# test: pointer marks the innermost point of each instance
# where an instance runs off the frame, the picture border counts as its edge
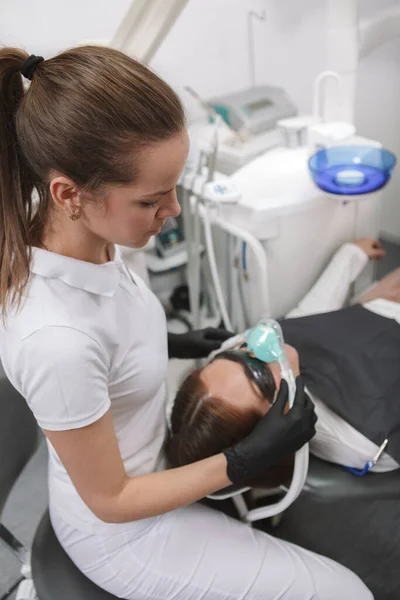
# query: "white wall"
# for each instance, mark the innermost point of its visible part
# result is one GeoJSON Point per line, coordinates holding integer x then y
{"type": "Point", "coordinates": [378, 117]}
{"type": "Point", "coordinates": [207, 49]}
{"type": "Point", "coordinates": [45, 27]}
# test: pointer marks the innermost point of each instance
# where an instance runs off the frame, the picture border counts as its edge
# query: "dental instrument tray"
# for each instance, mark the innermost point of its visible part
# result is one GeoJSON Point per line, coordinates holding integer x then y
{"type": "Point", "coordinates": [351, 170]}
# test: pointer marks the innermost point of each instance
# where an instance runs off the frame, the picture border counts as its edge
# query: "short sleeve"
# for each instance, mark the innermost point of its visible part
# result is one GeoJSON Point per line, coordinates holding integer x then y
{"type": "Point", "coordinates": [63, 375]}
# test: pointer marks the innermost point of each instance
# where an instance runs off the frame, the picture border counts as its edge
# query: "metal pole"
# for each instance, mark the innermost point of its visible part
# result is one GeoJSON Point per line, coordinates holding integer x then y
{"type": "Point", "coordinates": [250, 27]}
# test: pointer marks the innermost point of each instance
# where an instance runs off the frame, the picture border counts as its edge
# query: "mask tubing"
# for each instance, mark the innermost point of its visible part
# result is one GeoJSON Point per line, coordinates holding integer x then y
{"type": "Point", "coordinates": [213, 267]}
{"type": "Point", "coordinates": [299, 477]}
{"type": "Point", "coordinates": [269, 332]}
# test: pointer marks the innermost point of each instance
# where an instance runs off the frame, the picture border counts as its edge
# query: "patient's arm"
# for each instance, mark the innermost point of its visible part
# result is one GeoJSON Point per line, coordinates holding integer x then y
{"type": "Point", "coordinates": [388, 288]}
{"type": "Point", "coordinates": [331, 289]}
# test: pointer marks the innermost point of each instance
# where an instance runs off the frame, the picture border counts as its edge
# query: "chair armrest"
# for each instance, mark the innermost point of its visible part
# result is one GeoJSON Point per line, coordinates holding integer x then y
{"type": "Point", "coordinates": [326, 482]}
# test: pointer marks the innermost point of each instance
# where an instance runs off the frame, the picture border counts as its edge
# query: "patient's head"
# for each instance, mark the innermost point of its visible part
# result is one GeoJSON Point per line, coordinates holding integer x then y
{"type": "Point", "coordinates": [219, 405]}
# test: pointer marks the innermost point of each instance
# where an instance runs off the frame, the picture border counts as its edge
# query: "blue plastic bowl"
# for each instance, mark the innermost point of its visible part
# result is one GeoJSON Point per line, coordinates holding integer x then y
{"type": "Point", "coordinates": [351, 170]}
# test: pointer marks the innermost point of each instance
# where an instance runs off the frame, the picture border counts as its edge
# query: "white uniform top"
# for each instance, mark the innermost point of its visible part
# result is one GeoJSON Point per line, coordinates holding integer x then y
{"type": "Point", "coordinates": [87, 339]}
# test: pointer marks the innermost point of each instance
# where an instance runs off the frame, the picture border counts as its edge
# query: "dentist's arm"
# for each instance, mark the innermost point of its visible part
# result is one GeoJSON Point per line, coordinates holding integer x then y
{"type": "Point", "coordinates": [65, 379]}
{"type": "Point", "coordinates": [333, 286]}
{"type": "Point", "coordinates": [92, 458]}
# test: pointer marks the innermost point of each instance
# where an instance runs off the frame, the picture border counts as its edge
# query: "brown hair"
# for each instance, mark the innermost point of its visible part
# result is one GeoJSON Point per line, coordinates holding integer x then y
{"type": "Point", "coordinates": [203, 425]}
{"type": "Point", "coordinates": [85, 114]}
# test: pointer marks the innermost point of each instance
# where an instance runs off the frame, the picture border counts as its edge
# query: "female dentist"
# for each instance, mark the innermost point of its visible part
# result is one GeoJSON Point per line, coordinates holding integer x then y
{"type": "Point", "coordinates": [102, 141]}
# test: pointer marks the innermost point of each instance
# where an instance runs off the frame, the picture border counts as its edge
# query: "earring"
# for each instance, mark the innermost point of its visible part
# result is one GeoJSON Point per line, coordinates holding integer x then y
{"type": "Point", "coordinates": [75, 216]}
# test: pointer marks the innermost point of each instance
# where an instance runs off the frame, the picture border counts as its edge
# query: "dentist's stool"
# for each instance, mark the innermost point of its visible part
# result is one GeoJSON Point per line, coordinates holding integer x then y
{"type": "Point", "coordinates": [47, 572]}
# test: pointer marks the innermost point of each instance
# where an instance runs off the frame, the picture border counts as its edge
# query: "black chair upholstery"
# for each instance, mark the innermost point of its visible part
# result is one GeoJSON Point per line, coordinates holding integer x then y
{"type": "Point", "coordinates": [327, 482]}
{"type": "Point", "coordinates": [19, 437]}
{"type": "Point", "coordinates": [54, 574]}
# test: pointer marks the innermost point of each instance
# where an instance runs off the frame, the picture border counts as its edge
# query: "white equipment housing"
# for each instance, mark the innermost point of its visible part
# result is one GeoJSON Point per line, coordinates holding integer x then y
{"type": "Point", "coordinates": [234, 154]}
{"type": "Point", "coordinates": [299, 227]}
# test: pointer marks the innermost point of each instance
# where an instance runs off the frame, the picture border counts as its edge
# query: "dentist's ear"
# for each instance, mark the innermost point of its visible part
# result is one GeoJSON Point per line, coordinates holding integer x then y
{"type": "Point", "coordinates": [65, 194]}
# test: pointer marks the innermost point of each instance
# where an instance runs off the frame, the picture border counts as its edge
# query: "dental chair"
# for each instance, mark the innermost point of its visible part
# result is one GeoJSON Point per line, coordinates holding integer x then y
{"type": "Point", "coordinates": [46, 568]}
{"type": "Point", "coordinates": [325, 483]}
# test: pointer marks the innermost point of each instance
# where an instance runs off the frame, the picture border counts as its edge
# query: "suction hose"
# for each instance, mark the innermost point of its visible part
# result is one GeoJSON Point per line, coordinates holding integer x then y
{"type": "Point", "coordinates": [203, 212]}
{"type": "Point", "coordinates": [259, 255]}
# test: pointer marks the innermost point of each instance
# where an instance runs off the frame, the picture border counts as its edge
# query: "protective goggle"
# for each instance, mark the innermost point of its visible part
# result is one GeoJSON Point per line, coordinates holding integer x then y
{"type": "Point", "coordinates": [255, 369]}
{"type": "Point", "coordinates": [265, 342]}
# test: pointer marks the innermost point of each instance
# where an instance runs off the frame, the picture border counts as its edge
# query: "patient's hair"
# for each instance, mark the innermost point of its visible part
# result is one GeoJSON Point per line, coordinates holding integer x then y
{"type": "Point", "coordinates": [202, 425]}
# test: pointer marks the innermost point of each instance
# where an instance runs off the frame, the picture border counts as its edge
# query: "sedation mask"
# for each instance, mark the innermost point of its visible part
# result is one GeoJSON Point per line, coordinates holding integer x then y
{"type": "Point", "coordinates": [265, 341]}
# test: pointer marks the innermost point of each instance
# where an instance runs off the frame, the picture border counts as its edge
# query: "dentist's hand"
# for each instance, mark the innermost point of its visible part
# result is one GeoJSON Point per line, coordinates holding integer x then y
{"type": "Point", "coordinates": [275, 436]}
{"type": "Point", "coordinates": [196, 344]}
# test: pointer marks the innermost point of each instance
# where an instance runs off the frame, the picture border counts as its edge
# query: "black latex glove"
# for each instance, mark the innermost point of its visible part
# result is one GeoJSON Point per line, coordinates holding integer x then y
{"type": "Point", "coordinates": [196, 344]}
{"type": "Point", "coordinates": [275, 436]}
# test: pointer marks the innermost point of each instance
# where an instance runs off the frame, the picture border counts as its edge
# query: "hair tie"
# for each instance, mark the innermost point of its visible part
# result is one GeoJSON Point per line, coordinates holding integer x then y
{"type": "Point", "coordinates": [29, 66]}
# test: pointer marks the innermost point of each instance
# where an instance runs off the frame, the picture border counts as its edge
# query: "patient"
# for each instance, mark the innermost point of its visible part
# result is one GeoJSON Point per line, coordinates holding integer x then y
{"type": "Point", "coordinates": [220, 404]}
{"type": "Point", "coordinates": [349, 358]}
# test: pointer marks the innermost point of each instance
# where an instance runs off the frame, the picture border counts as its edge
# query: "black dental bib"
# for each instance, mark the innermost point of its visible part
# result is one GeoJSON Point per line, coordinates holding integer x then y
{"type": "Point", "coordinates": [350, 359]}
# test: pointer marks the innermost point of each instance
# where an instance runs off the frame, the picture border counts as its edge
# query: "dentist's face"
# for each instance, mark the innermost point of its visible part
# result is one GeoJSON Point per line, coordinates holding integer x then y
{"type": "Point", "coordinates": [227, 380]}
{"type": "Point", "coordinates": [134, 213]}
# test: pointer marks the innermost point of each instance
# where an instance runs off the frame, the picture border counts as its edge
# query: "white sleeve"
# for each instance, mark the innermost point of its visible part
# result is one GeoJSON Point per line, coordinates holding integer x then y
{"type": "Point", "coordinates": [332, 288]}
{"type": "Point", "coordinates": [63, 374]}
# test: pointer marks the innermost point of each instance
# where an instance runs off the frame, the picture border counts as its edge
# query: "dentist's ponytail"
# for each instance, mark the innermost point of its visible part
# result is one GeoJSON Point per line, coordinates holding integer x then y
{"type": "Point", "coordinates": [16, 183]}
{"type": "Point", "coordinates": [86, 114]}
